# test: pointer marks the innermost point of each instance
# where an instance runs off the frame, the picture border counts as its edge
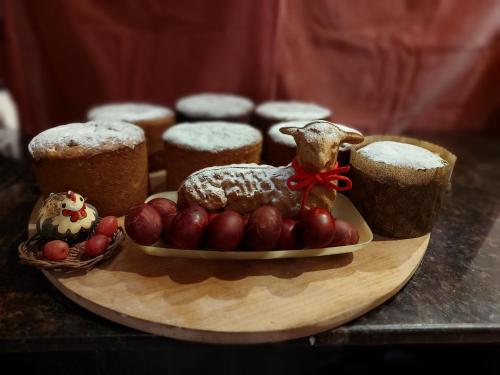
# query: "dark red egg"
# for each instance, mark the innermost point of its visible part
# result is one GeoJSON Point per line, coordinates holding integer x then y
{"type": "Point", "coordinates": [225, 231]}
{"type": "Point", "coordinates": [96, 245]}
{"type": "Point", "coordinates": [164, 206]}
{"type": "Point", "coordinates": [143, 224]}
{"type": "Point", "coordinates": [345, 234]}
{"type": "Point", "coordinates": [263, 229]}
{"type": "Point", "coordinates": [187, 228]}
{"type": "Point", "coordinates": [291, 236]}
{"type": "Point", "coordinates": [318, 227]}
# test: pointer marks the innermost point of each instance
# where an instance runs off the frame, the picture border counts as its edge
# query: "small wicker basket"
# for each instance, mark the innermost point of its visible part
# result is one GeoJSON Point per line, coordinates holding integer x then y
{"type": "Point", "coordinates": [31, 253]}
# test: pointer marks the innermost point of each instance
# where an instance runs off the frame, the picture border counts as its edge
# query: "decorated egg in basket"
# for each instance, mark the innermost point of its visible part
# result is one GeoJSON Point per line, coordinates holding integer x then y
{"type": "Point", "coordinates": [67, 217]}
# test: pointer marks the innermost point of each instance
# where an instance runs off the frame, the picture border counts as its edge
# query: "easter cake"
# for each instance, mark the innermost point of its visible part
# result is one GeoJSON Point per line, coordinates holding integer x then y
{"type": "Point", "coordinates": [106, 161]}
{"type": "Point", "coordinates": [153, 119]}
{"type": "Point", "coordinates": [398, 183]}
{"type": "Point", "coordinates": [272, 112]}
{"type": "Point", "coordinates": [193, 146]}
{"type": "Point", "coordinates": [214, 107]}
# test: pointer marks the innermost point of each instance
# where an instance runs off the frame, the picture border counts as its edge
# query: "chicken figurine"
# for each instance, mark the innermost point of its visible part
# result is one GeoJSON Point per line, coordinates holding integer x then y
{"type": "Point", "coordinates": [67, 217]}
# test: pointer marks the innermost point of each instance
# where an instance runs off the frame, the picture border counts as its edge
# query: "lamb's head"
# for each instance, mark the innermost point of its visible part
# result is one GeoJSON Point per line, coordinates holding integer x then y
{"type": "Point", "coordinates": [318, 143]}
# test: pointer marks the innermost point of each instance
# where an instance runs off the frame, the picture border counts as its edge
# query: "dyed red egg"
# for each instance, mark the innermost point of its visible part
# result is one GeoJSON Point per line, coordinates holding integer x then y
{"type": "Point", "coordinates": [56, 250]}
{"type": "Point", "coordinates": [225, 231]}
{"type": "Point", "coordinates": [96, 245]}
{"type": "Point", "coordinates": [318, 227]}
{"type": "Point", "coordinates": [263, 229]}
{"type": "Point", "coordinates": [107, 226]}
{"type": "Point", "coordinates": [143, 224]}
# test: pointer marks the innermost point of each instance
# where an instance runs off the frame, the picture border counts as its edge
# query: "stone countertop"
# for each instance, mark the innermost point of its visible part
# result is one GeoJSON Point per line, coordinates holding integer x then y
{"type": "Point", "coordinates": [454, 297]}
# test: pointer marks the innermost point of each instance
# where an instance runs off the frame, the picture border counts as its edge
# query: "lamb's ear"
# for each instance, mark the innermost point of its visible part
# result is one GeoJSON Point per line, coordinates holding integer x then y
{"type": "Point", "coordinates": [352, 137]}
{"type": "Point", "coordinates": [290, 130]}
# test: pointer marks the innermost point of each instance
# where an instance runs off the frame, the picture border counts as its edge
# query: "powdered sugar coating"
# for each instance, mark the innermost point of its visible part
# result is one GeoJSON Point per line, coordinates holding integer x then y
{"type": "Point", "coordinates": [214, 106]}
{"type": "Point", "coordinates": [246, 185]}
{"type": "Point", "coordinates": [292, 110]}
{"type": "Point", "coordinates": [288, 140]}
{"type": "Point", "coordinates": [212, 136]}
{"type": "Point", "coordinates": [92, 136]}
{"type": "Point", "coordinates": [402, 155]}
{"type": "Point", "coordinates": [130, 112]}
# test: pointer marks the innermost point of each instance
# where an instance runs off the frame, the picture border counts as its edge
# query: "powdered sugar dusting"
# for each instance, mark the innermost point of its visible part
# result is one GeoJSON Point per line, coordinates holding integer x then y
{"type": "Point", "coordinates": [318, 130]}
{"type": "Point", "coordinates": [288, 140]}
{"type": "Point", "coordinates": [93, 135]}
{"type": "Point", "coordinates": [249, 185]}
{"type": "Point", "coordinates": [402, 155]}
{"type": "Point", "coordinates": [214, 106]}
{"type": "Point", "coordinates": [292, 110]}
{"type": "Point", "coordinates": [212, 136]}
{"type": "Point", "coordinates": [129, 112]}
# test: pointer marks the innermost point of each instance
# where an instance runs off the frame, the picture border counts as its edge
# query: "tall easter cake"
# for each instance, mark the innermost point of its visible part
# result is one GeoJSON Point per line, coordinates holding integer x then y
{"type": "Point", "coordinates": [105, 161]}
{"type": "Point", "coordinates": [192, 146]}
{"type": "Point", "coordinates": [153, 119]}
{"type": "Point", "coordinates": [398, 183]}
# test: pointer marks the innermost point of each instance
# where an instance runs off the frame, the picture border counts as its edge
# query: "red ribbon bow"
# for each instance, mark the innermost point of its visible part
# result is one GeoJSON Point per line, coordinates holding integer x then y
{"type": "Point", "coordinates": [303, 179]}
{"type": "Point", "coordinates": [75, 215]}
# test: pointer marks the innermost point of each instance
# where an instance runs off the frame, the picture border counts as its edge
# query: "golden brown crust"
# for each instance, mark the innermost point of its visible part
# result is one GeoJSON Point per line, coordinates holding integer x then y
{"type": "Point", "coordinates": [279, 154]}
{"type": "Point", "coordinates": [181, 162]}
{"type": "Point", "coordinates": [398, 201]}
{"type": "Point", "coordinates": [112, 181]}
{"type": "Point", "coordinates": [154, 130]}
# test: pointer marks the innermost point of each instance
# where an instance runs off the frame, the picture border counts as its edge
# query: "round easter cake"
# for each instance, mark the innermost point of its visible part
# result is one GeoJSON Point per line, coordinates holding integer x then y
{"type": "Point", "coordinates": [91, 158]}
{"type": "Point", "coordinates": [192, 146]}
{"type": "Point", "coordinates": [272, 112]}
{"type": "Point", "coordinates": [153, 119]}
{"type": "Point", "coordinates": [398, 183]}
{"type": "Point", "coordinates": [214, 107]}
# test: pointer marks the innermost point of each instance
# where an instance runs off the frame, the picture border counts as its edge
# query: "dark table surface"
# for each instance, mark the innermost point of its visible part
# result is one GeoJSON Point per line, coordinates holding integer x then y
{"type": "Point", "coordinates": [454, 297]}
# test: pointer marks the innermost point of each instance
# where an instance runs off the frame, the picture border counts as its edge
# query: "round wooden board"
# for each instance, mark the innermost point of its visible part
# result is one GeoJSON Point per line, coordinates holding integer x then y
{"type": "Point", "coordinates": [252, 301]}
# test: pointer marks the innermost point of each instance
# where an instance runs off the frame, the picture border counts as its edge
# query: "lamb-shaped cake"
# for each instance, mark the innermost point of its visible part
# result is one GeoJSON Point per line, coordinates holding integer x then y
{"type": "Point", "coordinates": [309, 181]}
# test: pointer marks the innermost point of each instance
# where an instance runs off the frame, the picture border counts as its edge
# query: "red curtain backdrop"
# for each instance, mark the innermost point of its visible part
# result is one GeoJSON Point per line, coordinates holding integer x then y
{"type": "Point", "coordinates": [382, 66]}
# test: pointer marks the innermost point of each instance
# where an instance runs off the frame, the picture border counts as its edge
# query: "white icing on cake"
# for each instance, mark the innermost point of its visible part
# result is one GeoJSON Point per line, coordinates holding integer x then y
{"type": "Point", "coordinates": [219, 186]}
{"type": "Point", "coordinates": [212, 136]}
{"type": "Point", "coordinates": [93, 135]}
{"type": "Point", "coordinates": [288, 140]}
{"type": "Point", "coordinates": [402, 155]}
{"type": "Point", "coordinates": [131, 112]}
{"type": "Point", "coordinates": [292, 110]}
{"type": "Point", "coordinates": [214, 106]}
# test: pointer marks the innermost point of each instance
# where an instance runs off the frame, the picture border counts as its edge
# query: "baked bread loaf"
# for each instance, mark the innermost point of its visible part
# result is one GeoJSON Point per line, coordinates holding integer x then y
{"type": "Point", "coordinates": [281, 148]}
{"type": "Point", "coordinates": [153, 119]}
{"type": "Point", "coordinates": [104, 161]}
{"type": "Point", "coordinates": [214, 107]}
{"type": "Point", "coordinates": [270, 113]}
{"type": "Point", "coordinates": [399, 183]}
{"type": "Point", "coordinates": [192, 146]}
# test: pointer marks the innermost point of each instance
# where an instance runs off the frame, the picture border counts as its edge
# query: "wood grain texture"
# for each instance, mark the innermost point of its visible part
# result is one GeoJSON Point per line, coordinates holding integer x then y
{"type": "Point", "coordinates": [243, 302]}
